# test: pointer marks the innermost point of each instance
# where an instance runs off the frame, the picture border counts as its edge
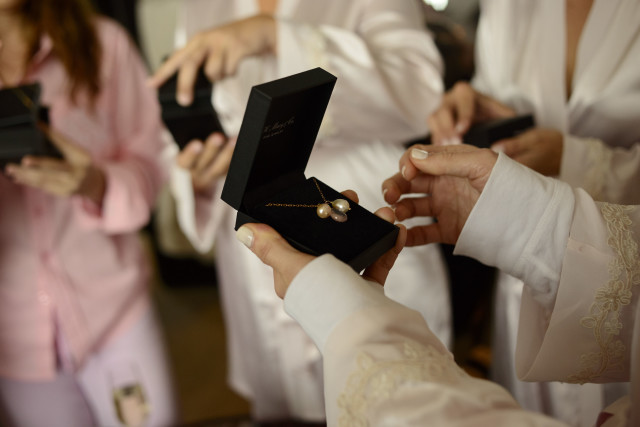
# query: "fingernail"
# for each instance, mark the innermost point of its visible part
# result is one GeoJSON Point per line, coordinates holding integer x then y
{"type": "Point", "coordinates": [455, 141]}
{"type": "Point", "coordinates": [404, 169]}
{"type": "Point", "coordinates": [419, 154]}
{"type": "Point", "coordinates": [460, 127]}
{"type": "Point", "coordinates": [183, 99]}
{"type": "Point", "coordinates": [498, 148]}
{"type": "Point", "coordinates": [216, 140]}
{"type": "Point", "coordinates": [384, 192]}
{"type": "Point", "coordinates": [196, 146]}
{"type": "Point", "coordinates": [245, 235]}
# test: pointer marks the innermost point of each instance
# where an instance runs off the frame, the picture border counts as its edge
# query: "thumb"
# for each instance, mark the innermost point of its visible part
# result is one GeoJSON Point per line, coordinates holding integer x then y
{"type": "Point", "coordinates": [71, 152]}
{"type": "Point", "coordinates": [273, 250]}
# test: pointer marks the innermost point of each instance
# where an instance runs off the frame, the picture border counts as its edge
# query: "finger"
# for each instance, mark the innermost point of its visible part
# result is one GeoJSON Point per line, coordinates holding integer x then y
{"type": "Point", "coordinates": [211, 148]}
{"type": "Point", "coordinates": [442, 126]}
{"type": "Point", "coordinates": [220, 164]}
{"type": "Point", "coordinates": [168, 68]}
{"type": "Point", "coordinates": [387, 214]}
{"type": "Point", "coordinates": [490, 108]}
{"type": "Point", "coordinates": [71, 152]}
{"type": "Point", "coordinates": [233, 56]}
{"type": "Point", "coordinates": [461, 161]}
{"type": "Point", "coordinates": [187, 76]}
{"type": "Point", "coordinates": [38, 162]}
{"type": "Point", "coordinates": [463, 98]}
{"type": "Point", "coordinates": [425, 234]}
{"type": "Point", "coordinates": [379, 270]}
{"type": "Point", "coordinates": [513, 147]}
{"type": "Point", "coordinates": [214, 64]}
{"type": "Point", "coordinates": [351, 195]}
{"type": "Point", "coordinates": [38, 178]}
{"type": "Point", "coordinates": [397, 186]}
{"type": "Point", "coordinates": [411, 207]}
{"type": "Point", "coordinates": [394, 187]}
{"type": "Point", "coordinates": [188, 157]}
{"type": "Point", "coordinates": [273, 250]}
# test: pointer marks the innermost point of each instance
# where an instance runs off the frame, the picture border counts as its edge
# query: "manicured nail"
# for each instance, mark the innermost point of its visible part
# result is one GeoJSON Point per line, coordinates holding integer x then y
{"type": "Point", "coordinates": [245, 235]}
{"type": "Point", "coordinates": [419, 154]}
{"type": "Point", "coordinates": [404, 169]}
{"type": "Point", "coordinates": [455, 141]}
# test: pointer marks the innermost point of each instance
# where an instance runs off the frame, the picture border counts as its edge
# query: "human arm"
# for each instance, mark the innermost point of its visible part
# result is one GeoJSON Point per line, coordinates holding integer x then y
{"type": "Point", "coordinates": [133, 164]}
{"type": "Point", "coordinates": [110, 167]}
{"type": "Point", "coordinates": [578, 258]}
{"type": "Point", "coordinates": [382, 364]}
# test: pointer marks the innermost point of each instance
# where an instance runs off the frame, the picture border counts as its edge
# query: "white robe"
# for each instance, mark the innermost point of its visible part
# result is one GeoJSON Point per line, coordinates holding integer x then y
{"type": "Point", "coordinates": [520, 57]}
{"type": "Point", "coordinates": [389, 80]}
{"type": "Point", "coordinates": [580, 319]}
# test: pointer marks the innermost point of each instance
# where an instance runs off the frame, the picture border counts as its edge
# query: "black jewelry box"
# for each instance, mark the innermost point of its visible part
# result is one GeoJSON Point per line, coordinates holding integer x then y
{"type": "Point", "coordinates": [279, 128]}
{"type": "Point", "coordinates": [195, 121]}
{"type": "Point", "coordinates": [20, 112]}
{"type": "Point", "coordinates": [484, 134]}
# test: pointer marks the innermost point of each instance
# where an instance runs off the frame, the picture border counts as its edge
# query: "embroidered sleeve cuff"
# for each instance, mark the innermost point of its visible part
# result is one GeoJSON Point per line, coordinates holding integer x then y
{"type": "Point", "coordinates": [520, 224]}
{"type": "Point", "coordinates": [324, 293]}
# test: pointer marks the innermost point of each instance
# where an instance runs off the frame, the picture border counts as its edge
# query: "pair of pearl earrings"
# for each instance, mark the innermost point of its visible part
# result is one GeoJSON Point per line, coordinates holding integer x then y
{"type": "Point", "coordinates": [336, 209]}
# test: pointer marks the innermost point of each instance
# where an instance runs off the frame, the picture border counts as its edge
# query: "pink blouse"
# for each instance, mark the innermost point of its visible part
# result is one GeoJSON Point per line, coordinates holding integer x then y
{"type": "Point", "coordinates": [67, 266]}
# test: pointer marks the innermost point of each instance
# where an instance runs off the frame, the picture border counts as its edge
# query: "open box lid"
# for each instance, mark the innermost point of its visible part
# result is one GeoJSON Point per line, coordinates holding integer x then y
{"type": "Point", "coordinates": [279, 128]}
{"type": "Point", "coordinates": [19, 105]}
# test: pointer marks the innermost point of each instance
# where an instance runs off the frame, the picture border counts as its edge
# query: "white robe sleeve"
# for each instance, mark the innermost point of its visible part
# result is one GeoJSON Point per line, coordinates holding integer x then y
{"type": "Point", "coordinates": [578, 320]}
{"type": "Point", "coordinates": [527, 234]}
{"type": "Point", "coordinates": [382, 364]}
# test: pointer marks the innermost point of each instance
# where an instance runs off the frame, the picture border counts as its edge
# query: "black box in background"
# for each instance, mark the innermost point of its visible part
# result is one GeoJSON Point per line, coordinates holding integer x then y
{"type": "Point", "coordinates": [20, 112]}
{"type": "Point", "coordinates": [196, 121]}
{"type": "Point", "coordinates": [279, 128]}
{"type": "Point", "coordinates": [483, 135]}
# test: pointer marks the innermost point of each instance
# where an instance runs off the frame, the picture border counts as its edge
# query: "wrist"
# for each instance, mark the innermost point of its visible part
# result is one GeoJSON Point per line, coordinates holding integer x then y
{"type": "Point", "coordinates": [94, 185]}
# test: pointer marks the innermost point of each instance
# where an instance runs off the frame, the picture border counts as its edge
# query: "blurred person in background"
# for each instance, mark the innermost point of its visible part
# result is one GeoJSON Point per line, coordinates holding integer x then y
{"type": "Point", "coordinates": [80, 344]}
{"type": "Point", "coordinates": [389, 79]}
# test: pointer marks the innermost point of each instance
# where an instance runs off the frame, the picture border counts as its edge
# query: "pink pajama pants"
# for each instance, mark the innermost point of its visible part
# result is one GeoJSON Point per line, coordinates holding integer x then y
{"type": "Point", "coordinates": [86, 398]}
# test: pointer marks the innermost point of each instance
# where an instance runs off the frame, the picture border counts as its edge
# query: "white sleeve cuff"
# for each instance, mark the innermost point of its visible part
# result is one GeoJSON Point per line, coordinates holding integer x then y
{"type": "Point", "coordinates": [326, 292]}
{"type": "Point", "coordinates": [521, 224]}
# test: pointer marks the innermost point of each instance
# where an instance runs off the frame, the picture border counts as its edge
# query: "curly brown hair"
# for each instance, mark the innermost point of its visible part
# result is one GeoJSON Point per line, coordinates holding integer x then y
{"type": "Point", "coordinates": [71, 26]}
